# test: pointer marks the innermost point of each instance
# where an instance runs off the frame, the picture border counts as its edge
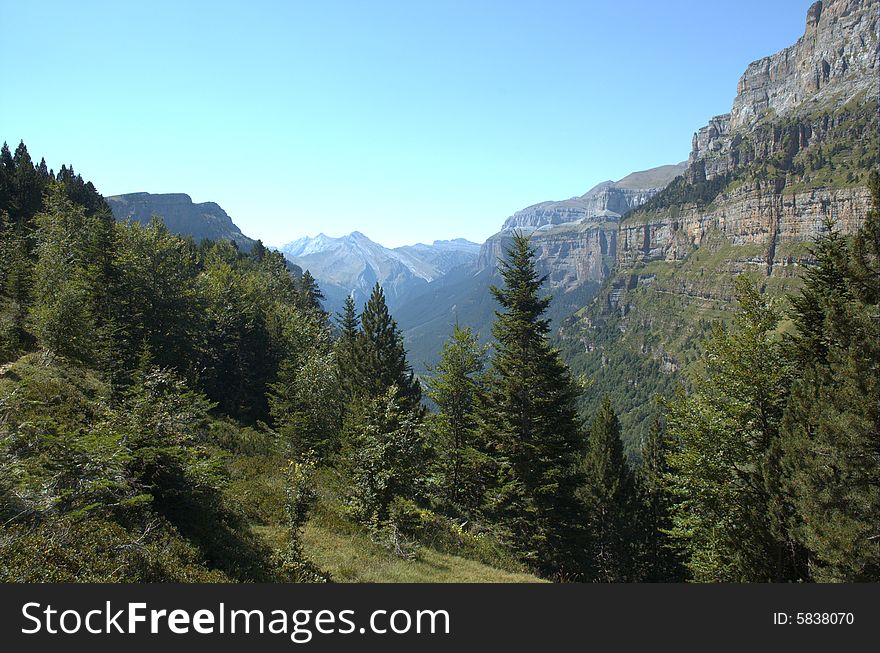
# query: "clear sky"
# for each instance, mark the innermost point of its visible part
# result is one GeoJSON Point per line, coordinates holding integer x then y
{"type": "Point", "coordinates": [409, 121]}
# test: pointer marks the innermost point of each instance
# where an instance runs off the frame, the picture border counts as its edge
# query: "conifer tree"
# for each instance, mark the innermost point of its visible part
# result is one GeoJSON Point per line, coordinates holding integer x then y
{"type": "Point", "coordinates": [383, 456]}
{"type": "Point", "coordinates": [731, 511]}
{"type": "Point", "coordinates": [832, 422]}
{"type": "Point", "coordinates": [608, 494]}
{"type": "Point", "coordinates": [530, 424]}
{"type": "Point", "coordinates": [457, 387]}
{"type": "Point", "coordinates": [659, 558]}
{"type": "Point", "coordinates": [16, 272]}
{"type": "Point", "coordinates": [70, 276]}
{"type": "Point", "coordinates": [310, 295]}
{"type": "Point", "coordinates": [380, 355]}
{"type": "Point", "coordinates": [348, 322]}
{"type": "Point", "coordinates": [306, 401]}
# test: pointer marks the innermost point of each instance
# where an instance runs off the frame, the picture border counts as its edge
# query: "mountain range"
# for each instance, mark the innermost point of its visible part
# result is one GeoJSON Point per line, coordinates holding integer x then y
{"type": "Point", "coordinates": [353, 264]}
{"type": "Point", "coordinates": [642, 267]}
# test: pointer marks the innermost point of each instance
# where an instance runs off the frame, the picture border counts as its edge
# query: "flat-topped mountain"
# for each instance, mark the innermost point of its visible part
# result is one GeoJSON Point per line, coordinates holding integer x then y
{"type": "Point", "coordinates": [609, 199]}
{"type": "Point", "coordinates": [204, 221]}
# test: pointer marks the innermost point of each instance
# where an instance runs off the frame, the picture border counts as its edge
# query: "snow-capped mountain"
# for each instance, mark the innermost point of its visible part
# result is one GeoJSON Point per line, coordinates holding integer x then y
{"type": "Point", "coordinates": [354, 263]}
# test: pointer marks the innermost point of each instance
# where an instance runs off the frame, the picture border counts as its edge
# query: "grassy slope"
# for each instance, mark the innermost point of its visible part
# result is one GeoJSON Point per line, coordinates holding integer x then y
{"type": "Point", "coordinates": [351, 557]}
{"type": "Point", "coordinates": [343, 548]}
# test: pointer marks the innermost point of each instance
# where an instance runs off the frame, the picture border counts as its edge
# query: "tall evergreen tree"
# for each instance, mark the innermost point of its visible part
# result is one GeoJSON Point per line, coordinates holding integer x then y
{"type": "Point", "coordinates": [383, 456]}
{"type": "Point", "coordinates": [155, 300]}
{"type": "Point", "coordinates": [71, 276]}
{"type": "Point", "coordinates": [608, 494]}
{"type": "Point", "coordinates": [530, 424]}
{"type": "Point", "coordinates": [309, 294]}
{"type": "Point", "coordinates": [731, 512]}
{"type": "Point", "coordinates": [16, 278]}
{"type": "Point", "coordinates": [348, 322]}
{"type": "Point", "coordinates": [832, 422]}
{"type": "Point", "coordinates": [380, 355]}
{"type": "Point", "coordinates": [659, 558]}
{"type": "Point", "coordinates": [306, 401]}
{"type": "Point", "coordinates": [457, 386]}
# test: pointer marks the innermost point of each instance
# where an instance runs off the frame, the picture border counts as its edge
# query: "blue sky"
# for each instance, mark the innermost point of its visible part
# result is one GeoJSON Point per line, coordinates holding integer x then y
{"type": "Point", "coordinates": [409, 121]}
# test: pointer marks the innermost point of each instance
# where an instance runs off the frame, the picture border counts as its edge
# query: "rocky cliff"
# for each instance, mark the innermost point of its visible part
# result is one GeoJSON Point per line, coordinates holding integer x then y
{"type": "Point", "coordinates": [205, 221]}
{"type": "Point", "coordinates": [747, 215]}
{"type": "Point", "coordinates": [834, 62]}
{"type": "Point", "coordinates": [576, 239]}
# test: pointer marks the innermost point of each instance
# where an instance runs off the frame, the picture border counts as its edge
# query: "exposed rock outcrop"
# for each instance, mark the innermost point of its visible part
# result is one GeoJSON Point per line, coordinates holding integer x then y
{"type": "Point", "coordinates": [835, 61]}
{"type": "Point", "coordinates": [568, 256]}
{"type": "Point", "coordinates": [205, 221]}
{"type": "Point", "coordinates": [748, 215]}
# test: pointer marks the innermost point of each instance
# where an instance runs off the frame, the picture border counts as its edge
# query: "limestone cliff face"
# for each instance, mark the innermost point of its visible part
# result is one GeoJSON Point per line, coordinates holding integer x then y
{"type": "Point", "coordinates": [569, 256]}
{"type": "Point", "coordinates": [603, 201]}
{"type": "Point", "coordinates": [835, 61]}
{"type": "Point", "coordinates": [576, 239]}
{"type": "Point", "coordinates": [201, 221]}
{"type": "Point", "coordinates": [749, 215]}
{"type": "Point", "coordinates": [835, 58]}
{"type": "Point", "coordinates": [761, 183]}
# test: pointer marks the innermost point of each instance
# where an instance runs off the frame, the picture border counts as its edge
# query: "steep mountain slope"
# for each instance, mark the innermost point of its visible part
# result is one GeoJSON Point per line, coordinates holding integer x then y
{"type": "Point", "coordinates": [205, 221]}
{"type": "Point", "coordinates": [795, 149]}
{"type": "Point", "coordinates": [354, 263]}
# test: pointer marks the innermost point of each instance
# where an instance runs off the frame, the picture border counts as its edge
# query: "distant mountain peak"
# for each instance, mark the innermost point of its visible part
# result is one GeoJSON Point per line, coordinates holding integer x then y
{"type": "Point", "coordinates": [353, 263]}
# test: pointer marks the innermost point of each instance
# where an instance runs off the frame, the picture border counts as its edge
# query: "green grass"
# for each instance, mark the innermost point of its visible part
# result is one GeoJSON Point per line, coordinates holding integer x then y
{"type": "Point", "coordinates": [351, 557]}
{"type": "Point", "coordinates": [344, 550]}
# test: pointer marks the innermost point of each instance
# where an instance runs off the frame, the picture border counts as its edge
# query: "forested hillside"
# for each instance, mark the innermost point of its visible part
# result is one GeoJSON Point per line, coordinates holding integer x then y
{"type": "Point", "coordinates": [174, 411]}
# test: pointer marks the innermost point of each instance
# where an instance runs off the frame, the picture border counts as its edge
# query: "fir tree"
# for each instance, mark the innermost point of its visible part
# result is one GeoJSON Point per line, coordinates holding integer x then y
{"type": "Point", "coordinates": [310, 295]}
{"type": "Point", "coordinates": [381, 358]}
{"type": "Point", "coordinates": [306, 401]}
{"type": "Point", "coordinates": [731, 512]}
{"type": "Point", "coordinates": [383, 456]}
{"type": "Point", "coordinates": [832, 422]}
{"type": "Point", "coordinates": [608, 494]}
{"type": "Point", "coordinates": [348, 322]}
{"type": "Point", "coordinates": [659, 558]}
{"type": "Point", "coordinates": [457, 387]}
{"type": "Point", "coordinates": [530, 424]}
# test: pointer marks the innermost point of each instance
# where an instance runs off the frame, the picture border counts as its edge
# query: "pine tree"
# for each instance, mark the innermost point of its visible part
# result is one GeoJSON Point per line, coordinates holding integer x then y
{"type": "Point", "coordinates": [306, 401]}
{"type": "Point", "coordinates": [156, 300]}
{"type": "Point", "coordinates": [16, 280]}
{"type": "Point", "coordinates": [70, 276]}
{"type": "Point", "coordinates": [457, 387]}
{"type": "Point", "coordinates": [529, 422]}
{"type": "Point", "coordinates": [832, 423]}
{"type": "Point", "coordinates": [608, 494]}
{"type": "Point", "coordinates": [381, 358]}
{"type": "Point", "coordinates": [384, 456]}
{"type": "Point", "coordinates": [27, 186]}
